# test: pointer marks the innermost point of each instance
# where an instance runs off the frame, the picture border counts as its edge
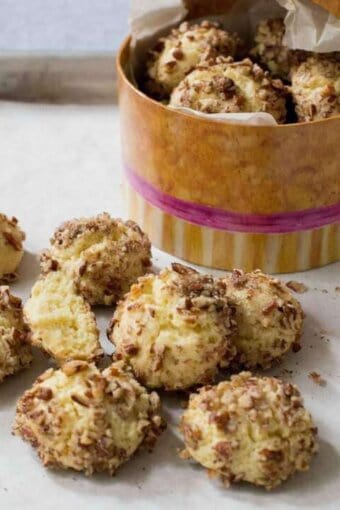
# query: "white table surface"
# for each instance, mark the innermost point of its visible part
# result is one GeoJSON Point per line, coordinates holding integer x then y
{"type": "Point", "coordinates": [64, 161]}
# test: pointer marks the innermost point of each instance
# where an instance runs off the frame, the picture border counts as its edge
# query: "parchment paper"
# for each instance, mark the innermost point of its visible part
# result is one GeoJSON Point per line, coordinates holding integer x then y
{"type": "Point", "coordinates": [254, 119]}
{"type": "Point", "coordinates": [308, 27]}
{"type": "Point", "coordinates": [320, 33]}
{"type": "Point", "coordinates": [321, 30]}
{"type": "Point", "coordinates": [61, 162]}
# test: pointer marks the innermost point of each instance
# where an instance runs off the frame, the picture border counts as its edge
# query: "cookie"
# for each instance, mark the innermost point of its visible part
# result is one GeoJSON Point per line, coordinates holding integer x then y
{"type": "Point", "coordinates": [251, 429]}
{"type": "Point", "coordinates": [11, 248]}
{"type": "Point", "coordinates": [174, 329]}
{"type": "Point", "coordinates": [61, 321]}
{"type": "Point", "coordinates": [176, 55]}
{"type": "Point", "coordinates": [231, 87]}
{"type": "Point", "coordinates": [15, 352]}
{"type": "Point", "coordinates": [270, 51]}
{"type": "Point", "coordinates": [316, 88]}
{"type": "Point", "coordinates": [80, 418]}
{"type": "Point", "coordinates": [103, 256]}
{"type": "Point", "coordinates": [269, 319]}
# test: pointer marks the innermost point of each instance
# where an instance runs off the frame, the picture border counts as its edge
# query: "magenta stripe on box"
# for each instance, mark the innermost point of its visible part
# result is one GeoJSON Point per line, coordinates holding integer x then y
{"type": "Point", "coordinates": [220, 219]}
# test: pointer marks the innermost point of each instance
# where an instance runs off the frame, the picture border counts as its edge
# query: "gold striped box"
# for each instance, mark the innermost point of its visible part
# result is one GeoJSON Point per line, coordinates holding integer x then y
{"type": "Point", "coordinates": [227, 195]}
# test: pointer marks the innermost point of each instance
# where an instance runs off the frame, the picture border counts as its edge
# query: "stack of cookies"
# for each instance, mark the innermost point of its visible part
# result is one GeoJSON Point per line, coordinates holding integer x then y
{"type": "Point", "coordinates": [205, 68]}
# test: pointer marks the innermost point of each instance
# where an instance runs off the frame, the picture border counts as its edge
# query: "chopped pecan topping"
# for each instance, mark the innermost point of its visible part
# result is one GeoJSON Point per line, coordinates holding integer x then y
{"type": "Point", "coordinates": [238, 277]}
{"type": "Point", "coordinates": [193, 436]}
{"type": "Point", "coordinates": [80, 400]}
{"type": "Point", "coordinates": [275, 455]}
{"type": "Point", "coordinates": [223, 449]}
{"type": "Point", "coordinates": [268, 309]}
{"type": "Point", "coordinates": [220, 419]}
{"type": "Point", "coordinates": [180, 269]}
{"type": "Point", "coordinates": [44, 393]}
{"type": "Point", "coordinates": [296, 347]}
{"type": "Point", "coordinates": [131, 349]}
{"type": "Point", "coordinates": [82, 269]}
{"type": "Point", "coordinates": [188, 304]}
{"type": "Point", "coordinates": [171, 64]}
{"type": "Point", "coordinates": [178, 54]}
{"type": "Point", "coordinates": [72, 367]}
{"type": "Point", "coordinates": [15, 243]}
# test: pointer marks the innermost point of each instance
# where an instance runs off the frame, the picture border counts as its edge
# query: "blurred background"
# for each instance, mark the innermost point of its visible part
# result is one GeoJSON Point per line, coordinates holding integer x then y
{"type": "Point", "coordinates": [62, 25]}
{"type": "Point", "coordinates": [60, 50]}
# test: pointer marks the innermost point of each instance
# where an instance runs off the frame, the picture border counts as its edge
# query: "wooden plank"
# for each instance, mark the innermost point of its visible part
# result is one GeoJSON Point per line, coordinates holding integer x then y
{"type": "Point", "coordinates": [58, 79]}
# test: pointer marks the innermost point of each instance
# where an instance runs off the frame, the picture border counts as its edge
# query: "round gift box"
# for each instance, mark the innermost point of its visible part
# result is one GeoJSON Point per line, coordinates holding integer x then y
{"type": "Point", "coordinates": [228, 195]}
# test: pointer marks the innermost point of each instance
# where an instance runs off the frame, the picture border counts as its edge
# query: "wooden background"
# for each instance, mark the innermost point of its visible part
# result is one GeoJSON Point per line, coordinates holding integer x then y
{"type": "Point", "coordinates": [60, 50]}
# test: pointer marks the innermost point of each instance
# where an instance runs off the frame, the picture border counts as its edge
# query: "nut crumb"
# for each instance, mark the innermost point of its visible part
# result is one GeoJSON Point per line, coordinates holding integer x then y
{"type": "Point", "coordinates": [297, 287]}
{"type": "Point", "coordinates": [287, 371]}
{"type": "Point", "coordinates": [317, 379]}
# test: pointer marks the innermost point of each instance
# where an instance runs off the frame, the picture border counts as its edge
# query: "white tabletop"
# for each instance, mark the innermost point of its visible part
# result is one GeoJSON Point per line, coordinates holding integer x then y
{"type": "Point", "coordinates": [58, 162]}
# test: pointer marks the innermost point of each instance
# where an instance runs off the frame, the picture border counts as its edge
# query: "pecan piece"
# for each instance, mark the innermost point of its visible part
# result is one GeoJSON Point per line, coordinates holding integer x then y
{"type": "Point", "coordinates": [11, 240]}
{"type": "Point", "coordinates": [44, 393]}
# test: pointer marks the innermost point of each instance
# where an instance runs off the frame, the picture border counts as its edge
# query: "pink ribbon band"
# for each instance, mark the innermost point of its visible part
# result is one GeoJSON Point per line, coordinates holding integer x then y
{"type": "Point", "coordinates": [220, 219]}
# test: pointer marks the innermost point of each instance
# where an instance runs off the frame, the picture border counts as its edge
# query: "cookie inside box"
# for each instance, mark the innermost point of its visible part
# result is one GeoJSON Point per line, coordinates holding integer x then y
{"type": "Point", "coordinates": [234, 57]}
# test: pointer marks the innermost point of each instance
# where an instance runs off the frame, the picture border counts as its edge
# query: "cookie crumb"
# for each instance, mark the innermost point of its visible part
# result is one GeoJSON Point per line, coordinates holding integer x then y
{"type": "Point", "coordinates": [184, 454]}
{"type": "Point", "coordinates": [297, 287]}
{"type": "Point", "coordinates": [337, 289]}
{"type": "Point", "coordinates": [288, 372]}
{"type": "Point", "coordinates": [317, 379]}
